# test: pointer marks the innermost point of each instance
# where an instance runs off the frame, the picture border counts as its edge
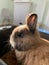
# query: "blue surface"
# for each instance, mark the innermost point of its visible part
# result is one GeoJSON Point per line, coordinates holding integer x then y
{"type": "Point", "coordinates": [43, 30]}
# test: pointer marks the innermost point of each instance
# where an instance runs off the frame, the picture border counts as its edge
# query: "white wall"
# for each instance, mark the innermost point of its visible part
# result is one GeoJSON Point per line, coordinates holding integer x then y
{"type": "Point", "coordinates": [21, 9]}
{"type": "Point", "coordinates": [46, 15]}
{"type": "Point", "coordinates": [42, 9]}
{"type": "Point", "coordinates": [39, 8]}
{"type": "Point", "coordinates": [6, 4]}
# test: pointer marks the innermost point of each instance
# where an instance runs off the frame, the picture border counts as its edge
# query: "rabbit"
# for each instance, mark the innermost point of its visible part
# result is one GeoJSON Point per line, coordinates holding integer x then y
{"type": "Point", "coordinates": [29, 47]}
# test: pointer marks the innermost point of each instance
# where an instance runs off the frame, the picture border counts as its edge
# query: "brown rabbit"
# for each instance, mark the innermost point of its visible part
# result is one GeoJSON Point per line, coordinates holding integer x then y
{"type": "Point", "coordinates": [30, 48]}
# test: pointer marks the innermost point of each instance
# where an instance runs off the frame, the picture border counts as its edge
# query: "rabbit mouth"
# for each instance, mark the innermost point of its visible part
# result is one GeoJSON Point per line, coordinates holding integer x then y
{"type": "Point", "coordinates": [21, 47]}
{"type": "Point", "coordinates": [18, 47]}
{"type": "Point", "coordinates": [24, 47]}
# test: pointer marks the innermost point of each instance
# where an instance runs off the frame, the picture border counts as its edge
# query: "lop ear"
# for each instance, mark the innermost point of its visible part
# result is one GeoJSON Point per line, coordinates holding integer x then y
{"type": "Point", "coordinates": [31, 22]}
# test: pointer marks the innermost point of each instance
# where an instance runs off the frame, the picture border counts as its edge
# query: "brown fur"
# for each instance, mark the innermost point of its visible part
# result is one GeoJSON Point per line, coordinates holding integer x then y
{"type": "Point", "coordinates": [30, 49]}
{"type": "Point", "coordinates": [10, 58]}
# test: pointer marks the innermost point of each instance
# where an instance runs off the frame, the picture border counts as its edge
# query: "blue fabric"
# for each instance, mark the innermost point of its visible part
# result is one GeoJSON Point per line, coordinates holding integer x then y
{"type": "Point", "coordinates": [43, 30]}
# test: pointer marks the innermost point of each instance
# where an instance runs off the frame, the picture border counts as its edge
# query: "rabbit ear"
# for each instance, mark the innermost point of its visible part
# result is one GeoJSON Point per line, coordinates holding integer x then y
{"type": "Point", "coordinates": [31, 22]}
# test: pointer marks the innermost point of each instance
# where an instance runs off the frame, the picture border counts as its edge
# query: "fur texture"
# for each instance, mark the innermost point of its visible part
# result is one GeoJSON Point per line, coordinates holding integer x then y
{"type": "Point", "coordinates": [30, 48]}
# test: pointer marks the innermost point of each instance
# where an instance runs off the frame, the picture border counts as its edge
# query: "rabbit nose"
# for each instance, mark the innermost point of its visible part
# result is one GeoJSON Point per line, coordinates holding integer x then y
{"type": "Point", "coordinates": [18, 47]}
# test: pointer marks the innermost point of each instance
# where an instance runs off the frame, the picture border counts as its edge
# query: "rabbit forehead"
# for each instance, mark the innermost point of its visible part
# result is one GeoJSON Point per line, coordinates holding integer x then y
{"type": "Point", "coordinates": [20, 28]}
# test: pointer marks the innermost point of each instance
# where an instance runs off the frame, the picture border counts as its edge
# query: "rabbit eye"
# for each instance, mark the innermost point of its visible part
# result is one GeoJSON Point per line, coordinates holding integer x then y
{"type": "Point", "coordinates": [19, 34]}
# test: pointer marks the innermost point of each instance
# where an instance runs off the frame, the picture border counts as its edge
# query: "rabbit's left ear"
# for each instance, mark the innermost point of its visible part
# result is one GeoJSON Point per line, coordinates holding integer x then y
{"type": "Point", "coordinates": [31, 22]}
